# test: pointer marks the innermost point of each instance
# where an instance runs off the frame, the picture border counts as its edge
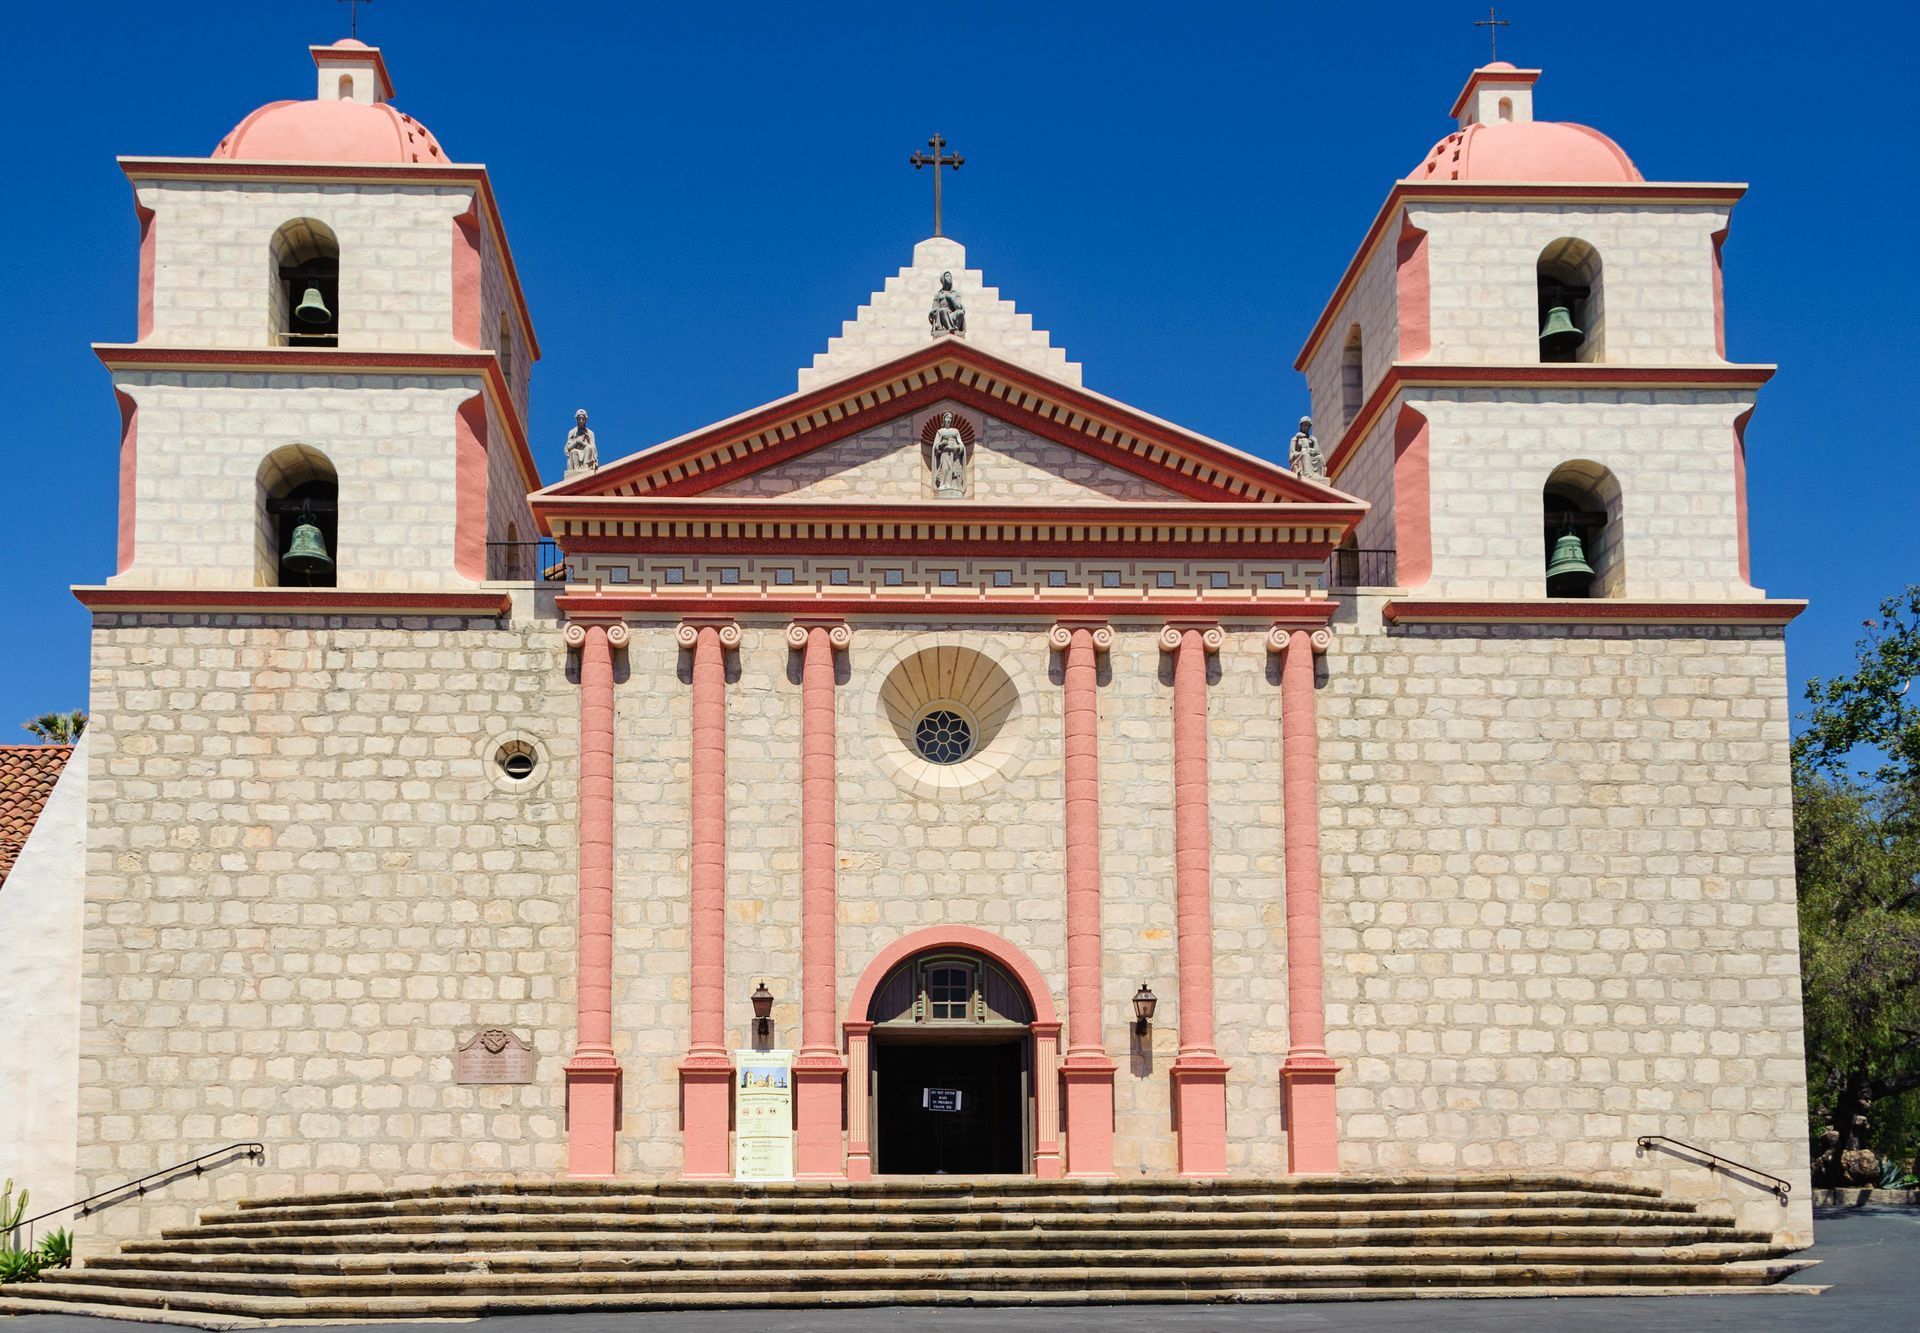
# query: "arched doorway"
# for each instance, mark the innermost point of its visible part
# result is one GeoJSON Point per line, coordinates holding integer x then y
{"type": "Point", "coordinates": [952, 1060]}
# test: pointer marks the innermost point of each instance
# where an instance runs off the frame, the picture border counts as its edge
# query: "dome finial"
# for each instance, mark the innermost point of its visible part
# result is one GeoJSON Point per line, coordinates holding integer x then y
{"type": "Point", "coordinates": [1493, 23]}
{"type": "Point", "coordinates": [353, 21]}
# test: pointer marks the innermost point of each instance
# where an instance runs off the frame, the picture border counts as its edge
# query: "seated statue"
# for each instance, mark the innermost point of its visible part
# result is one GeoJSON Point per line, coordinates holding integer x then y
{"type": "Point", "coordinates": [947, 315]}
{"type": "Point", "coordinates": [1303, 453]}
{"type": "Point", "coordinates": [583, 455]}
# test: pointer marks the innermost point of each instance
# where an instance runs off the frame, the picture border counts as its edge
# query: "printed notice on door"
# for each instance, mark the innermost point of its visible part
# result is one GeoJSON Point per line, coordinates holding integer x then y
{"type": "Point", "coordinates": [763, 1115]}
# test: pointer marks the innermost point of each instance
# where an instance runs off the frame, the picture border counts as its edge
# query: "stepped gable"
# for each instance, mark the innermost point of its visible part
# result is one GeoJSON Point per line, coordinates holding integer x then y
{"type": "Point", "coordinates": [503, 1247]}
{"type": "Point", "coordinates": [27, 776]}
{"type": "Point", "coordinates": [894, 321]}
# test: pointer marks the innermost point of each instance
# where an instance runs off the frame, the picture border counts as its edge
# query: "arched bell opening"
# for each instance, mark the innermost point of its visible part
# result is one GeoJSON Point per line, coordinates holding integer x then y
{"type": "Point", "coordinates": [1572, 305]}
{"type": "Point", "coordinates": [1581, 507]}
{"type": "Point", "coordinates": [952, 1068]}
{"type": "Point", "coordinates": [297, 539]}
{"type": "Point", "coordinates": [304, 297]}
{"type": "Point", "coordinates": [1352, 376]}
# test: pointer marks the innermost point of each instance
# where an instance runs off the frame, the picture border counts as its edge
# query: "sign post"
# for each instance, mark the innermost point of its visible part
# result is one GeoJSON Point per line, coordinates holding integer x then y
{"type": "Point", "coordinates": [763, 1115]}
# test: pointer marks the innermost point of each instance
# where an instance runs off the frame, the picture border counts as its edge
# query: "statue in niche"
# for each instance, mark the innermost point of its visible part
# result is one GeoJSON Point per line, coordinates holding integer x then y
{"type": "Point", "coordinates": [583, 456]}
{"type": "Point", "coordinates": [949, 460]}
{"type": "Point", "coordinates": [947, 315]}
{"type": "Point", "coordinates": [1303, 453]}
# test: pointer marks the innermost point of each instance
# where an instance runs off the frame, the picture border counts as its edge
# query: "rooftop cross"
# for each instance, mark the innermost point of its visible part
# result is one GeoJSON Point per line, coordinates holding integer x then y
{"type": "Point", "coordinates": [353, 8]}
{"type": "Point", "coordinates": [936, 161]}
{"type": "Point", "coordinates": [1493, 23]}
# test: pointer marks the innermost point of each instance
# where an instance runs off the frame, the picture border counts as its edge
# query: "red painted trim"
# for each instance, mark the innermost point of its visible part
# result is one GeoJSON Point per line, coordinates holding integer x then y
{"type": "Point", "coordinates": [356, 55]}
{"type": "Point", "coordinates": [1412, 499]}
{"type": "Point", "coordinates": [1009, 956]}
{"type": "Point", "coordinates": [1719, 240]}
{"type": "Point", "coordinates": [1404, 192]}
{"type": "Point", "coordinates": [303, 601]}
{"type": "Point", "coordinates": [129, 478]}
{"type": "Point", "coordinates": [1578, 611]}
{"type": "Point", "coordinates": [948, 513]}
{"type": "Point", "coordinates": [940, 361]}
{"type": "Point", "coordinates": [1524, 77]}
{"type": "Point", "coordinates": [470, 489]}
{"type": "Point", "coordinates": [466, 280]}
{"type": "Point", "coordinates": [1535, 376]}
{"type": "Point", "coordinates": [1740, 493]}
{"type": "Point", "coordinates": [772, 545]}
{"type": "Point", "coordinates": [138, 169]}
{"type": "Point", "coordinates": [143, 317]}
{"type": "Point", "coordinates": [291, 360]}
{"type": "Point", "coordinates": [1413, 292]}
{"type": "Point", "coordinates": [698, 602]}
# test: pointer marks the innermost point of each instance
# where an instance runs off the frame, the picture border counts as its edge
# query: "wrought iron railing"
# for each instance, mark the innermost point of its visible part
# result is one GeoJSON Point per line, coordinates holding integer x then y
{"type": "Point", "coordinates": [1714, 1162]}
{"type": "Point", "coordinates": [106, 1198]}
{"type": "Point", "coordinates": [526, 562]}
{"type": "Point", "coordinates": [1353, 567]}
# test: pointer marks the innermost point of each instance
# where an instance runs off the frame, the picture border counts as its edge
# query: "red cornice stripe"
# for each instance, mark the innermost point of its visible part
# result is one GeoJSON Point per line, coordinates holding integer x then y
{"type": "Point", "coordinates": [288, 360]}
{"type": "Point", "coordinates": [944, 513]}
{"type": "Point", "coordinates": [1299, 611]}
{"type": "Point", "coordinates": [938, 361]}
{"type": "Point", "coordinates": [301, 601]}
{"type": "Point", "coordinates": [1408, 191]}
{"type": "Point", "coordinates": [772, 546]}
{"type": "Point", "coordinates": [1419, 375]}
{"type": "Point", "coordinates": [138, 169]}
{"type": "Point", "coordinates": [1582, 611]}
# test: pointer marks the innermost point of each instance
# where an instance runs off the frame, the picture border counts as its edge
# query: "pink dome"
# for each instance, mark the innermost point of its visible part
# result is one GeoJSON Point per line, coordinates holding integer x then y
{"type": "Point", "coordinates": [1538, 150]}
{"type": "Point", "coordinates": [331, 132]}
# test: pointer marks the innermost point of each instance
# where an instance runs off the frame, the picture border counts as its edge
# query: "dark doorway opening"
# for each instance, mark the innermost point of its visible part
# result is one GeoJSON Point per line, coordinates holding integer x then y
{"type": "Point", "coordinates": [987, 1136]}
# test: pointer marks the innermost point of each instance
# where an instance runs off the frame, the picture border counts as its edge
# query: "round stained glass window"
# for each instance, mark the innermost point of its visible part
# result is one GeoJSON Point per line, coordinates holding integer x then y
{"type": "Point", "coordinates": [942, 736]}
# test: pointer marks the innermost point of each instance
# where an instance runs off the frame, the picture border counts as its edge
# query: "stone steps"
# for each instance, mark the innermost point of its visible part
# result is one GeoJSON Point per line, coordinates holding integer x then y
{"type": "Point", "coordinates": [493, 1247]}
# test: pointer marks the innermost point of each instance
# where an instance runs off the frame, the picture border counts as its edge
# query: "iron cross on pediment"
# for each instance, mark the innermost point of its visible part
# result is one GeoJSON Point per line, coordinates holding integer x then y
{"type": "Point", "coordinates": [936, 160]}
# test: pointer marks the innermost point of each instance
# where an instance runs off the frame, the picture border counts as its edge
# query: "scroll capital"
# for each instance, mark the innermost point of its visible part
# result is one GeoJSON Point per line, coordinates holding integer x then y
{"type": "Point", "coordinates": [839, 633]}
{"type": "Point", "coordinates": [1280, 638]}
{"type": "Point", "coordinates": [688, 632]}
{"type": "Point", "coordinates": [1172, 634]}
{"type": "Point", "coordinates": [1061, 635]}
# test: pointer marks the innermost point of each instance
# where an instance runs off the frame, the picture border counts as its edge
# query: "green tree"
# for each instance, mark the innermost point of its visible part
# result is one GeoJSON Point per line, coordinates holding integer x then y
{"type": "Point", "coordinates": [1875, 712]}
{"type": "Point", "coordinates": [58, 728]}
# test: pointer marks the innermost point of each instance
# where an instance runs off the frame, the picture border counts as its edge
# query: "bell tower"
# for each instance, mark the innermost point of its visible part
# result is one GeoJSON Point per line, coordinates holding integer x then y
{"type": "Point", "coordinates": [326, 397]}
{"type": "Point", "coordinates": [1524, 370]}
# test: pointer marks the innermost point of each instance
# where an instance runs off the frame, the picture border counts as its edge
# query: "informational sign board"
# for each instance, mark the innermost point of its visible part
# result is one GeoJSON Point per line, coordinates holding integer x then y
{"type": "Point", "coordinates": [763, 1115]}
{"type": "Point", "coordinates": [942, 1099]}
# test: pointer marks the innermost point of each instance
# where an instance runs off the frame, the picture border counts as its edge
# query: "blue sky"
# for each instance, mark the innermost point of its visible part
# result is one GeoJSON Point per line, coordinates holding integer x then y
{"type": "Point", "coordinates": [698, 196]}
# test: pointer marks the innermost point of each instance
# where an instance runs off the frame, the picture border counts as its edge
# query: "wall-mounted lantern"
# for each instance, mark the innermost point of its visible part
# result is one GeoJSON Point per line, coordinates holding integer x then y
{"type": "Point", "coordinates": [1144, 1001]}
{"type": "Point", "coordinates": [762, 1013]}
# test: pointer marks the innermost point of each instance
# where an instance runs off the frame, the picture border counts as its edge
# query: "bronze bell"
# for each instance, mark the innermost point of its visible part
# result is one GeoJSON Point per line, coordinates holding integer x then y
{"type": "Point", "coordinates": [307, 551]}
{"type": "Point", "coordinates": [1569, 560]}
{"type": "Point", "coordinates": [1560, 338]}
{"type": "Point", "coordinates": [312, 308]}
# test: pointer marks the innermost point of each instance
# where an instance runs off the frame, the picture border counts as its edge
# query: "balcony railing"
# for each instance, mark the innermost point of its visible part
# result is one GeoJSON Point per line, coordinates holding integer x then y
{"type": "Point", "coordinates": [1355, 568]}
{"type": "Point", "coordinates": [526, 562]}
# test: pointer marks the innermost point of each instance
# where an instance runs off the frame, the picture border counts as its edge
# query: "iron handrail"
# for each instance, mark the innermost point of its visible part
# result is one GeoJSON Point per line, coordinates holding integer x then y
{"type": "Point", "coordinates": [1780, 1188]}
{"type": "Point", "coordinates": [256, 1151]}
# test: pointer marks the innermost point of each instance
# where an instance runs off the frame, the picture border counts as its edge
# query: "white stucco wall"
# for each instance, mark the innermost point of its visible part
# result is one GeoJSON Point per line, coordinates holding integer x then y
{"type": "Point", "coordinates": [41, 906]}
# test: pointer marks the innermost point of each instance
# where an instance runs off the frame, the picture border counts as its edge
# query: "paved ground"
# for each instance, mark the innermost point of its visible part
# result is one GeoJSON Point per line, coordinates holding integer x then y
{"type": "Point", "coordinates": [1870, 1256]}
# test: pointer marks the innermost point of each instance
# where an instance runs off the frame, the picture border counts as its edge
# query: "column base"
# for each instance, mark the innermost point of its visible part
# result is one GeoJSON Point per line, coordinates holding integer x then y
{"type": "Point", "coordinates": [593, 1114]}
{"type": "Point", "coordinates": [706, 1115]}
{"type": "Point", "coordinates": [819, 1086]}
{"type": "Point", "coordinates": [1088, 1087]}
{"type": "Point", "coordinates": [1313, 1120]}
{"type": "Point", "coordinates": [1200, 1114]}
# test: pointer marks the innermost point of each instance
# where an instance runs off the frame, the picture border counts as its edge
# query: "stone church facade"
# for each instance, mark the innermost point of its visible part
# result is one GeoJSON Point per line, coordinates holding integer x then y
{"type": "Point", "coordinates": [1426, 869]}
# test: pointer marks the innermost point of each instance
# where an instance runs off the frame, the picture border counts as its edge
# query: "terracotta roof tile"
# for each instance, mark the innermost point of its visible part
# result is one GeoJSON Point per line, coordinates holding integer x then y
{"type": "Point", "coordinates": [27, 775]}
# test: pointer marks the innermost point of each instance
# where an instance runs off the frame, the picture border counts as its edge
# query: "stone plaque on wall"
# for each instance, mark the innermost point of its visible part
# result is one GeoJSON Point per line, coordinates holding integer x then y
{"type": "Point", "coordinates": [493, 1056]}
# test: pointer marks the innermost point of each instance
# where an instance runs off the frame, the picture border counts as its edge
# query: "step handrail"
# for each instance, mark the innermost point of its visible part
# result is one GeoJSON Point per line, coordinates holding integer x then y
{"type": "Point", "coordinates": [1779, 1188]}
{"type": "Point", "coordinates": [247, 1148]}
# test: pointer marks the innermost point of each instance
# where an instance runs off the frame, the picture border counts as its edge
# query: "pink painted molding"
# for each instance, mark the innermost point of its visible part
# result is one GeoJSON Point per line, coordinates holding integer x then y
{"type": "Point", "coordinates": [470, 489]}
{"type": "Point", "coordinates": [1291, 607]}
{"type": "Point", "coordinates": [593, 1074]}
{"type": "Point", "coordinates": [1590, 611]}
{"type": "Point", "coordinates": [1307, 1075]}
{"type": "Point", "coordinates": [293, 601]}
{"type": "Point", "coordinates": [129, 478]}
{"type": "Point", "coordinates": [1199, 1074]}
{"type": "Point", "coordinates": [1087, 1071]}
{"type": "Point", "coordinates": [819, 1072]}
{"type": "Point", "coordinates": [706, 1074]}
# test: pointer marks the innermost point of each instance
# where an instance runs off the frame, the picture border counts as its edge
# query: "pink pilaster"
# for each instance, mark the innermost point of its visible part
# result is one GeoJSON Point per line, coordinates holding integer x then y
{"type": "Point", "coordinates": [1199, 1074]}
{"type": "Point", "coordinates": [859, 1079]}
{"type": "Point", "coordinates": [1313, 1125]}
{"type": "Point", "coordinates": [1046, 1102]}
{"type": "Point", "coordinates": [1086, 1073]}
{"type": "Point", "coordinates": [706, 1073]}
{"type": "Point", "coordinates": [593, 1075]}
{"type": "Point", "coordinates": [819, 1074]}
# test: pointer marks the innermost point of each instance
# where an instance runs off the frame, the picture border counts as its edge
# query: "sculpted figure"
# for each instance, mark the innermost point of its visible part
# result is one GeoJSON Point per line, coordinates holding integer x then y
{"type": "Point", "coordinates": [582, 454]}
{"type": "Point", "coordinates": [949, 459]}
{"type": "Point", "coordinates": [1303, 453]}
{"type": "Point", "coordinates": [947, 315]}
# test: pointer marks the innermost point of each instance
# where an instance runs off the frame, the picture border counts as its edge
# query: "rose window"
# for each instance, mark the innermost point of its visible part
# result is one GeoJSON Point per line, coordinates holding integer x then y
{"type": "Point", "coordinates": [942, 736]}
